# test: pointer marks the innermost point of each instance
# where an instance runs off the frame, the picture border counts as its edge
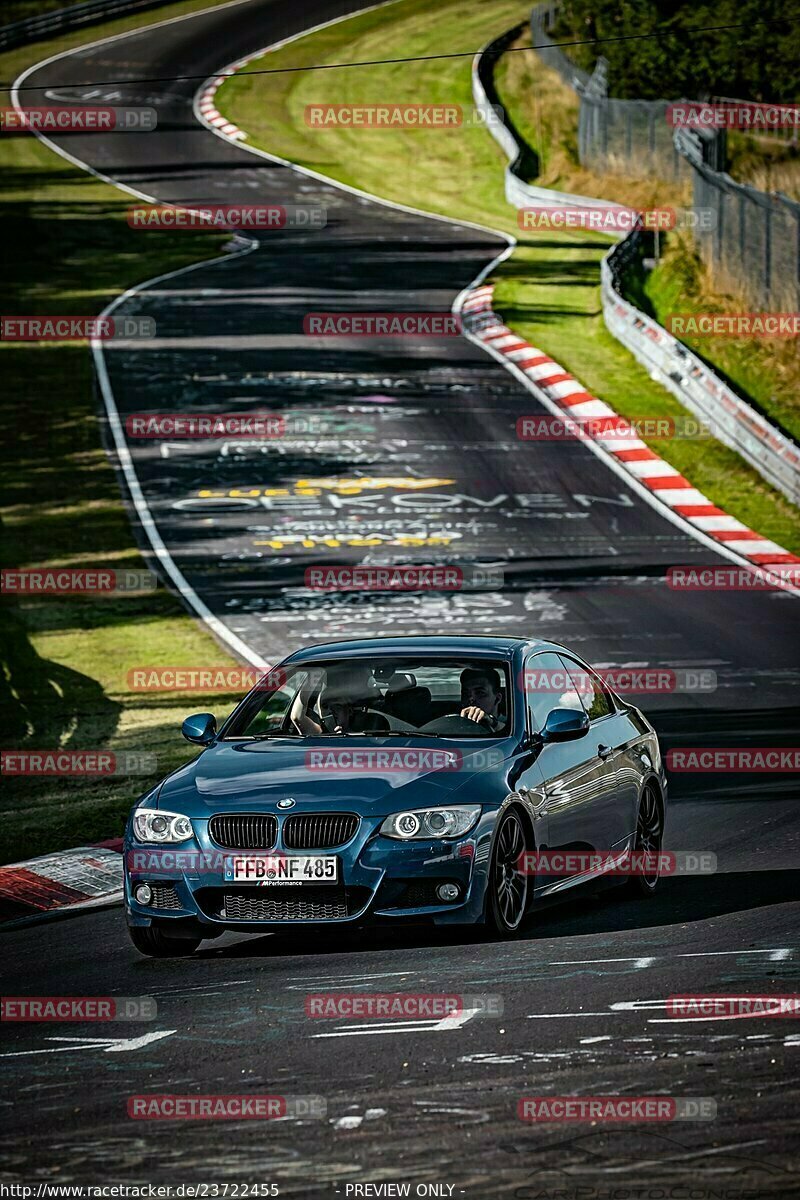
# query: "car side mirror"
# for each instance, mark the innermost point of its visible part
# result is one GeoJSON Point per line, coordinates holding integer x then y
{"type": "Point", "coordinates": [201, 728]}
{"type": "Point", "coordinates": [564, 725]}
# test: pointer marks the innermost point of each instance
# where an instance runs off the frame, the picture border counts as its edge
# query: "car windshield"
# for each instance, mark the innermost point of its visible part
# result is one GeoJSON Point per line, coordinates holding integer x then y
{"type": "Point", "coordinates": [447, 698]}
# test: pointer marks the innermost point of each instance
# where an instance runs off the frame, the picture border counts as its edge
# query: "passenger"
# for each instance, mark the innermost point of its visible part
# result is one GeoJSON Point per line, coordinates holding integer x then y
{"type": "Point", "coordinates": [345, 701]}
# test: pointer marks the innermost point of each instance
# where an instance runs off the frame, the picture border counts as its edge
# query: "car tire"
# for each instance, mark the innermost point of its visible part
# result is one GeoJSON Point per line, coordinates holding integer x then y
{"type": "Point", "coordinates": [649, 838]}
{"type": "Point", "coordinates": [157, 944]}
{"type": "Point", "coordinates": [507, 888]}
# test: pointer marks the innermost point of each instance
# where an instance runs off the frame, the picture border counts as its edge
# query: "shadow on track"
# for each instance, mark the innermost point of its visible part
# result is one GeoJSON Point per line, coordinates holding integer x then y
{"type": "Point", "coordinates": [678, 901]}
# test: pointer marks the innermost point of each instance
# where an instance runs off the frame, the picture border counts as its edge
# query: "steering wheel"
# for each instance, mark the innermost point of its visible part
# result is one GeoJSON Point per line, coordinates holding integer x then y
{"type": "Point", "coordinates": [454, 724]}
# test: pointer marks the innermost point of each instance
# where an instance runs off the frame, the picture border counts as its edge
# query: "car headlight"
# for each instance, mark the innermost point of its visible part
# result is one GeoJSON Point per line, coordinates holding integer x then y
{"type": "Point", "coordinates": [150, 825]}
{"type": "Point", "coordinates": [431, 822]}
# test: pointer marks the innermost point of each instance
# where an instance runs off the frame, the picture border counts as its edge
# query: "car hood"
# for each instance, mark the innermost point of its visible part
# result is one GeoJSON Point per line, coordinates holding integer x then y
{"type": "Point", "coordinates": [254, 776]}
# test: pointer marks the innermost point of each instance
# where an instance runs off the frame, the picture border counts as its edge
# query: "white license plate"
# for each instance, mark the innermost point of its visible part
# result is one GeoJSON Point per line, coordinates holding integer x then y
{"type": "Point", "coordinates": [270, 869]}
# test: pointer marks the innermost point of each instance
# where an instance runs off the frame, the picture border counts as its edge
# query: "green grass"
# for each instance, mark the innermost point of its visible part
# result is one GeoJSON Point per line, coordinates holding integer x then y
{"type": "Point", "coordinates": [546, 113]}
{"type": "Point", "coordinates": [68, 249]}
{"type": "Point", "coordinates": [400, 165]}
{"type": "Point", "coordinates": [764, 370]}
{"type": "Point", "coordinates": [548, 290]}
{"type": "Point", "coordinates": [769, 163]}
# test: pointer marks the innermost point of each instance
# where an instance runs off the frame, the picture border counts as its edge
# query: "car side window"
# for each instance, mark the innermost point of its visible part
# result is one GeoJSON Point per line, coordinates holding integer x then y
{"type": "Point", "coordinates": [547, 685]}
{"type": "Point", "coordinates": [272, 715]}
{"type": "Point", "coordinates": [592, 691]}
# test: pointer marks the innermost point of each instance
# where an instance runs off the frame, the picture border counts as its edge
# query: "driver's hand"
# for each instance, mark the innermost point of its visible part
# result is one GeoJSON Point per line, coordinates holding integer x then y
{"type": "Point", "coordinates": [473, 713]}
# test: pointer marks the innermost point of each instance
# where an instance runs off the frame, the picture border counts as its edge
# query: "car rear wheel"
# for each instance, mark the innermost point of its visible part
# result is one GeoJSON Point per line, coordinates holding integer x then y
{"type": "Point", "coordinates": [649, 839]}
{"type": "Point", "coordinates": [157, 944]}
{"type": "Point", "coordinates": [507, 891]}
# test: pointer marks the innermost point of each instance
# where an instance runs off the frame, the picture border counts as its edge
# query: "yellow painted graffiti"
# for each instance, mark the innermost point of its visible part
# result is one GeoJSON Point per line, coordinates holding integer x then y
{"type": "Point", "coordinates": [342, 486]}
{"type": "Point", "coordinates": [334, 543]}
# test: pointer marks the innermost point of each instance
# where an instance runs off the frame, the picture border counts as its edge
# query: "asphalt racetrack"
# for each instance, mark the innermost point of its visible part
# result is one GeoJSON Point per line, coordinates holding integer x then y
{"type": "Point", "coordinates": [584, 988]}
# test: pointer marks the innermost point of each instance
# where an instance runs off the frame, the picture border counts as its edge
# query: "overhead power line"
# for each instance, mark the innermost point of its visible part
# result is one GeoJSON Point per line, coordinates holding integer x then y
{"type": "Point", "coordinates": [381, 62]}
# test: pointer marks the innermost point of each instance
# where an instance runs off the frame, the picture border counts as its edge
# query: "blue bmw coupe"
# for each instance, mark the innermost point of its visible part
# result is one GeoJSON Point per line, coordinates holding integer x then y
{"type": "Point", "coordinates": [454, 779]}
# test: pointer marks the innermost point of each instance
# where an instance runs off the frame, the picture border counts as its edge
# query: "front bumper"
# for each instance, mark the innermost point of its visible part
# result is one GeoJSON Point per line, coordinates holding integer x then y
{"type": "Point", "coordinates": [379, 879]}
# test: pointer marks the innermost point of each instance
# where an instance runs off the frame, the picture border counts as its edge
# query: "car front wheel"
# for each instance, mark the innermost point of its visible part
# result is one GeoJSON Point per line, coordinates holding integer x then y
{"type": "Point", "coordinates": [157, 944]}
{"type": "Point", "coordinates": [507, 891]}
{"type": "Point", "coordinates": [649, 839]}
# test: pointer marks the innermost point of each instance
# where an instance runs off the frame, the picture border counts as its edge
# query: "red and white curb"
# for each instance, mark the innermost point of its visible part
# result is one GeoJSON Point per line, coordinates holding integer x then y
{"type": "Point", "coordinates": [59, 884]}
{"type": "Point", "coordinates": [207, 107]}
{"type": "Point", "coordinates": [205, 99]}
{"type": "Point", "coordinates": [630, 453]}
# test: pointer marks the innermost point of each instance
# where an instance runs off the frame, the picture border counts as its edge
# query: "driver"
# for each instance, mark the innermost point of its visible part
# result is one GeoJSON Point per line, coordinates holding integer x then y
{"type": "Point", "coordinates": [482, 696]}
{"type": "Point", "coordinates": [344, 701]}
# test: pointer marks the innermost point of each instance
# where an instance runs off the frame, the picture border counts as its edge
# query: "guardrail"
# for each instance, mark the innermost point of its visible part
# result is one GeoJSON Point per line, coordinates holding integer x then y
{"type": "Point", "coordinates": [505, 133]}
{"type": "Point", "coordinates": [731, 419]}
{"type": "Point", "coordinates": [62, 20]}
{"type": "Point", "coordinates": [672, 364]}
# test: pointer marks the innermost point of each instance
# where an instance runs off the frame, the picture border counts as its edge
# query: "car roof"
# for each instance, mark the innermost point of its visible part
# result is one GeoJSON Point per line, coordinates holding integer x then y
{"type": "Point", "coordinates": [490, 646]}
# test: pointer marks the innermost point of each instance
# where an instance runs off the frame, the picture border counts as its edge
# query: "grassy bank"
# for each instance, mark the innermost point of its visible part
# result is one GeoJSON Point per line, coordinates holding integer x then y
{"type": "Point", "coordinates": [67, 249]}
{"type": "Point", "coordinates": [548, 290]}
{"type": "Point", "coordinates": [546, 112]}
{"type": "Point", "coordinates": [766, 371]}
{"type": "Point", "coordinates": [770, 164]}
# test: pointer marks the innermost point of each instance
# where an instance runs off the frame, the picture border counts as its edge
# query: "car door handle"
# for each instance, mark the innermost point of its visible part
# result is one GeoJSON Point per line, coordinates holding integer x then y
{"type": "Point", "coordinates": [526, 795]}
{"type": "Point", "coordinates": [604, 751]}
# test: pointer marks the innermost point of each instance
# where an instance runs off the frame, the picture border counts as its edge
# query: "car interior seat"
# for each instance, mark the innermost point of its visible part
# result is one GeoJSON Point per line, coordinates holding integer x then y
{"type": "Point", "coordinates": [407, 701]}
